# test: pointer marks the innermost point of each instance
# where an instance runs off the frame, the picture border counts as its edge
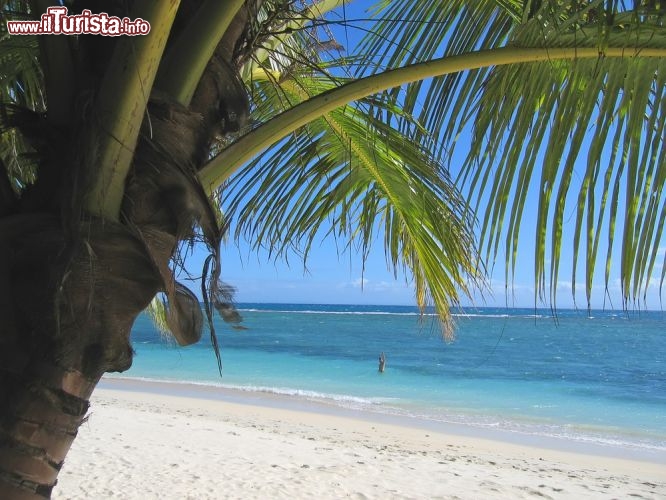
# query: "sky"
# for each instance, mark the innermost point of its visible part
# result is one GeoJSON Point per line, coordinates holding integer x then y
{"type": "Point", "coordinates": [333, 279]}
{"type": "Point", "coordinates": [342, 279]}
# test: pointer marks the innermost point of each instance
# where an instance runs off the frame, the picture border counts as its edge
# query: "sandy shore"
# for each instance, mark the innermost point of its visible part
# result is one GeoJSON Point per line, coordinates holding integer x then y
{"type": "Point", "coordinates": [150, 445]}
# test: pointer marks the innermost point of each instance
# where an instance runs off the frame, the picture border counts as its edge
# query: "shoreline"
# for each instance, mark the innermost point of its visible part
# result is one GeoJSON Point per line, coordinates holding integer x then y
{"type": "Point", "coordinates": [169, 444]}
{"type": "Point", "coordinates": [300, 403]}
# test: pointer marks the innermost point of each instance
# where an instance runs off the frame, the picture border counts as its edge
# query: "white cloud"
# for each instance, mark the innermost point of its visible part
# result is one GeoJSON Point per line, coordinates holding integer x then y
{"type": "Point", "coordinates": [357, 283]}
{"type": "Point", "coordinates": [366, 285]}
{"type": "Point", "coordinates": [566, 286]}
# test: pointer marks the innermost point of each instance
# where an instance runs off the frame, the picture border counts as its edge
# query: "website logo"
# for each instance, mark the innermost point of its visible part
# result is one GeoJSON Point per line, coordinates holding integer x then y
{"type": "Point", "coordinates": [56, 21]}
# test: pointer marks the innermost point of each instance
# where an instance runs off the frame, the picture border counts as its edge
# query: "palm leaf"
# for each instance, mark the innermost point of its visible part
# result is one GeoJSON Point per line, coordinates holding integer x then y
{"type": "Point", "coordinates": [21, 78]}
{"type": "Point", "coordinates": [535, 124]}
{"type": "Point", "coordinates": [556, 111]}
{"type": "Point", "coordinates": [422, 30]}
{"type": "Point", "coordinates": [21, 84]}
{"type": "Point", "coordinates": [351, 175]}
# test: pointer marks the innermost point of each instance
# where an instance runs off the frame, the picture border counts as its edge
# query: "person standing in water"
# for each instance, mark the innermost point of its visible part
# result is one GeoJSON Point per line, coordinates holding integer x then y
{"type": "Point", "coordinates": [382, 362]}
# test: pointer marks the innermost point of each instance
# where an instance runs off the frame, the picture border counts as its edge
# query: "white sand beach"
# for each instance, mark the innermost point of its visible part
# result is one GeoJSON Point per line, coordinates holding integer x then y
{"type": "Point", "coordinates": [147, 443]}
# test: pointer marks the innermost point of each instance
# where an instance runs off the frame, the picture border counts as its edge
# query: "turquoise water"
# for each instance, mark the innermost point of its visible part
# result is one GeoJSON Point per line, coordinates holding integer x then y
{"type": "Point", "coordinates": [598, 378]}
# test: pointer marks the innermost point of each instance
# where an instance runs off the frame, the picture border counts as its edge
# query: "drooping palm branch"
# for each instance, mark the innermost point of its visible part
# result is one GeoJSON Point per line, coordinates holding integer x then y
{"type": "Point", "coordinates": [349, 174]}
{"type": "Point", "coordinates": [583, 133]}
{"type": "Point", "coordinates": [551, 72]}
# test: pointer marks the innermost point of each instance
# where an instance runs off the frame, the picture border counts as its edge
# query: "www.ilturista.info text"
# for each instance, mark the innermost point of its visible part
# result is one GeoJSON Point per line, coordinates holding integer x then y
{"type": "Point", "coordinates": [55, 21]}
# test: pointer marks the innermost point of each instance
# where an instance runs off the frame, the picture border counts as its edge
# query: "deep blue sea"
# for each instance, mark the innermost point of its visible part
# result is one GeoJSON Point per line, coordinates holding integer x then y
{"type": "Point", "coordinates": [598, 378]}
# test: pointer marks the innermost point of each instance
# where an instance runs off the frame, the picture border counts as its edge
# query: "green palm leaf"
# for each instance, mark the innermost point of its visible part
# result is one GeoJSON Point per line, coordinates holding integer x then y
{"type": "Point", "coordinates": [422, 30]}
{"type": "Point", "coordinates": [21, 84]}
{"type": "Point", "coordinates": [351, 175]}
{"type": "Point", "coordinates": [21, 78]}
{"type": "Point", "coordinates": [535, 124]}
{"type": "Point", "coordinates": [607, 112]}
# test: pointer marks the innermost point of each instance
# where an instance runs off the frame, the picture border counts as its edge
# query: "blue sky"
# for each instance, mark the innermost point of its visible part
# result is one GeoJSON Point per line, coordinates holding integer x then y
{"type": "Point", "coordinates": [337, 280]}
{"type": "Point", "coordinates": [340, 279]}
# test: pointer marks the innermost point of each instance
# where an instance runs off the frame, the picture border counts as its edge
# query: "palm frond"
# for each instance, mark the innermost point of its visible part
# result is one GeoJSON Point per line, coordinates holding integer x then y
{"type": "Point", "coordinates": [352, 175]}
{"type": "Point", "coordinates": [606, 112]}
{"type": "Point", "coordinates": [585, 137]}
{"type": "Point", "coordinates": [21, 94]}
{"type": "Point", "coordinates": [412, 31]}
{"type": "Point", "coordinates": [19, 160]}
{"type": "Point", "coordinates": [157, 312]}
{"type": "Point", "coordinates": [21, 78]}
{"type": "Point", "coordinates": [622, 129]}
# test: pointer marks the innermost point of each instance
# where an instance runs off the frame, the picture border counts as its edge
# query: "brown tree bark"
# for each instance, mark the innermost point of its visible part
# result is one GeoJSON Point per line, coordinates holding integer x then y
{"type": "Point", "coordinates": [71, 286]}
{"type": "Point", "coordinates": [68, 311]}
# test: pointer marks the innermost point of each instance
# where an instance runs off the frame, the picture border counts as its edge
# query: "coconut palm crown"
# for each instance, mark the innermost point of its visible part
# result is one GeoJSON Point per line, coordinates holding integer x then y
{"type": "Point", "coordinates": [116, 153]}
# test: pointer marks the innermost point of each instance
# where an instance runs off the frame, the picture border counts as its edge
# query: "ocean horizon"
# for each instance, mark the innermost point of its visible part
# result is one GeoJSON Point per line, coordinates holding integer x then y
{"type": "Point", "coordinates": [597, 378]}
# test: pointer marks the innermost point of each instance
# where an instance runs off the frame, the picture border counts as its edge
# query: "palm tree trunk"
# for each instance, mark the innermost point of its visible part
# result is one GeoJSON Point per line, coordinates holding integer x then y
{"type": "Point", "coordinates": [71, 284]}
{"type": "Point", "coordinates": [67, 313]}
{"type": "Point", "coordinates": [42, 408]}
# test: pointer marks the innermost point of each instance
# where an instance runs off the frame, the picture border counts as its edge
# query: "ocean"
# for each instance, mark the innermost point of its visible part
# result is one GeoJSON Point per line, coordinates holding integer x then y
{"type": "Point", "coordinates": [596, 378]}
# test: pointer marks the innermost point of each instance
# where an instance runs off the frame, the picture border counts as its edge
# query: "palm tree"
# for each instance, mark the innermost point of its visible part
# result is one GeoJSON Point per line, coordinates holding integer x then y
{"type": "Point", "coordinates": [113, 147]}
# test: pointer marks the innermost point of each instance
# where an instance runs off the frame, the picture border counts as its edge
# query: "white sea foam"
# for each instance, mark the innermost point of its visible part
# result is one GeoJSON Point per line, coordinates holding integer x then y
{"type": "Point", "coordinates": [397, 407]}
{"type": "Point", "coordinates": [385, 313]}
{"type": "Point", "coordinates": [311, 395]}
{"type": "Point", "coordinates": [393, 313]}
{"type": "Point", "coordinates": [601, 437]}
{"type": "Point", "coordinates": [341, 399]}
{"type": "Point", "coordinates": [351, 313]}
